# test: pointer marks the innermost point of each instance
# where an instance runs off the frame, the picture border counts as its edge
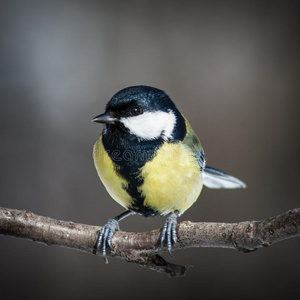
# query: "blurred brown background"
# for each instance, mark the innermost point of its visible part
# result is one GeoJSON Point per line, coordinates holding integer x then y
{"type": "Point", "coordinates": [232, 67]}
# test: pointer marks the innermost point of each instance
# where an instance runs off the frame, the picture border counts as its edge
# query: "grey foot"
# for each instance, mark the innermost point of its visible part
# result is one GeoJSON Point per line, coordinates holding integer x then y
{"type": "Point", "coordinates": [169, 232]}
{"type": "Point", "coordinates": [105, 237]}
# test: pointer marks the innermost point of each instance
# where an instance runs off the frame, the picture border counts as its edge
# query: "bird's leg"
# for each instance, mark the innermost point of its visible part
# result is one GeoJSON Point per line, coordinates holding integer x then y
{"type": "Point", "coordinates": [107, 231]}
{"type": "Point", "coordinates": [169, 232]}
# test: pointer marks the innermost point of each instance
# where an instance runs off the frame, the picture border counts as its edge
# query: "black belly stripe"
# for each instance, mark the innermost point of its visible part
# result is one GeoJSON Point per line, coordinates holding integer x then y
{"type": "Point", "coordinates": [129, 156]}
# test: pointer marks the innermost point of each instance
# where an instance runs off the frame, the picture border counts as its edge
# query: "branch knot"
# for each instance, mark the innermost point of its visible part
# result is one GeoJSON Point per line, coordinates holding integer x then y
{"type": "Point", "coordinates": [243, 237]}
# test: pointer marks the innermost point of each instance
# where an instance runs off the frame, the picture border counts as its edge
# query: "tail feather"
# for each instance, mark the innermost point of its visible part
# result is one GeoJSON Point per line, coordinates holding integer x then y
{"type": "Point", "coordinates": [216, 179]}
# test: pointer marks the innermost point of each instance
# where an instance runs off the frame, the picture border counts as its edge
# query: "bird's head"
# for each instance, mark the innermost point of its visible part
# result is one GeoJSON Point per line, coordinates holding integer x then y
{"type": "Point", "coordinates": [145, 112]}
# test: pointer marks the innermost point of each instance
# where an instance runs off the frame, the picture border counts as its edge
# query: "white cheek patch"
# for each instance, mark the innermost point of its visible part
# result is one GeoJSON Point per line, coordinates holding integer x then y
{"type": "Point", "coordinates": [151, 125]}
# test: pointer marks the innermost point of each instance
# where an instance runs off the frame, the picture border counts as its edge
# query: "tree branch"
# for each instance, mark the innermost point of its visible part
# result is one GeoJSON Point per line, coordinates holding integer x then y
{"type": "Point", "coordinates": [143, 248]}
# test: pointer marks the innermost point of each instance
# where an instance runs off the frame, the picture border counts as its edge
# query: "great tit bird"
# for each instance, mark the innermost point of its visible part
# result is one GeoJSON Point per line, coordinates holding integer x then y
{"type": "Point", "coordinates": [151, 161]}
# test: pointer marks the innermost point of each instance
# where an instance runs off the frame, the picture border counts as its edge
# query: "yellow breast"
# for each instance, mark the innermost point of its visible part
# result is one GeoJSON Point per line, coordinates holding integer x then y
{"type": "Point", "coordinates": [114, 184]}
{"type": "Point", "coordinates": [172, 180]}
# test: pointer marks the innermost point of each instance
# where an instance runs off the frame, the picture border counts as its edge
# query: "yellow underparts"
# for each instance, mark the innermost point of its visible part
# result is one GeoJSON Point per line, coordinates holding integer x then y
{"type": "Point", "coordinates": [172, 179]}
{"type": "Point", "coordinates": [114, 184]}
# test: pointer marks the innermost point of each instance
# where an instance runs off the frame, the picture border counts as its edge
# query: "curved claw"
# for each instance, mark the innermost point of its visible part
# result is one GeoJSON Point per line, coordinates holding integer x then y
{"type": "Point", "coordinates": [105, 236]}
{"type": "Point", "coordinates": [169, 232]}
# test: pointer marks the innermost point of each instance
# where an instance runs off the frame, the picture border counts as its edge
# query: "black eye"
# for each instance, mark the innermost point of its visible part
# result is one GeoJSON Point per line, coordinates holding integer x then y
{"type": "Point", "coordinates": [136, 110]}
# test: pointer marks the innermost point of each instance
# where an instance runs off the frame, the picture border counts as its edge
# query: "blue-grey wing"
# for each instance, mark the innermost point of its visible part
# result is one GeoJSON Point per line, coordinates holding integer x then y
{"type": "Point", "coordinates": [200, 159]}
{"type": "Point", "coordinates": [212, 178]}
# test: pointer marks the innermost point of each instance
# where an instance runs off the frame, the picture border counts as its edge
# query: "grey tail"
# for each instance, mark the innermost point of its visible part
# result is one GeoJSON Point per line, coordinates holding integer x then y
{"type": "Point", "coordinates": [215, 179]}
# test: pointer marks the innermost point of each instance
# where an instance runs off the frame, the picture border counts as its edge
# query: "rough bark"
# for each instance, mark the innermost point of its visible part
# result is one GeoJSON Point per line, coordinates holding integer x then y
{"type": "Point", "coordinates": [144, 248]}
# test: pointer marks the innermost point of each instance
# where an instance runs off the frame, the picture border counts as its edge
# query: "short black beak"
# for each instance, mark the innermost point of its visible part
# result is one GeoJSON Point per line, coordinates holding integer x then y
{"type": "Point", "coordinates": [104, 118]}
